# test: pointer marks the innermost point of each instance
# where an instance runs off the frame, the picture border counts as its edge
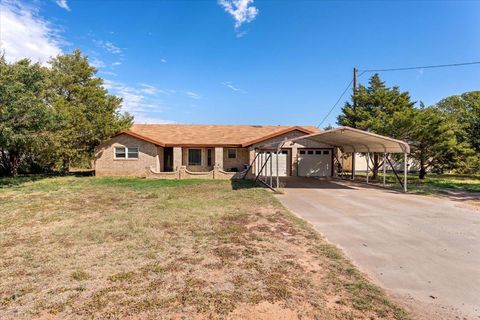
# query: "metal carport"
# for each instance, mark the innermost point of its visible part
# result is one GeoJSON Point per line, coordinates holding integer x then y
{"type": "Point", "coordinates": [348, 140]}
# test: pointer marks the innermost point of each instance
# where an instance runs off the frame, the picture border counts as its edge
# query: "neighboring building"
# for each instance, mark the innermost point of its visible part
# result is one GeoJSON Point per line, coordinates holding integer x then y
{"type": "Point", "coordinates": [361, 164]}
{"type": "Point", "coordinates": [209, 151]}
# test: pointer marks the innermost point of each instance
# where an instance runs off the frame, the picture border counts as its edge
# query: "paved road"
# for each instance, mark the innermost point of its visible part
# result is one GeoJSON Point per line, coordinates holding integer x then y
{"type": "Point", "coordinates": [425, 251]}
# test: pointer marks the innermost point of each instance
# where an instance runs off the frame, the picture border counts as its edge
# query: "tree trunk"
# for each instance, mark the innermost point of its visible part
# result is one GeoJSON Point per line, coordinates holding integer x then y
{"type": "Point", "coordinates": [422, 173]}
{"type": "Point", "coordinates": [13, 163]}
{"type": "Point", "coordinates": [376, 166]}
{"type": "Point", "coordinates": [4, 160]}
{"type": "Point", "coordinates": [423, 170]}
{"type": "Point", "coordinates": [65, 165]}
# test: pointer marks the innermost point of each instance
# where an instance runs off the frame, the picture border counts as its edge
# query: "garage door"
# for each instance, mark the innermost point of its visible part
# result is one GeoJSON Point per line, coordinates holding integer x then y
{"type": "Point", "coordinates": [282, 164]}
{"type": "Point", "coordinates": [314, 163]}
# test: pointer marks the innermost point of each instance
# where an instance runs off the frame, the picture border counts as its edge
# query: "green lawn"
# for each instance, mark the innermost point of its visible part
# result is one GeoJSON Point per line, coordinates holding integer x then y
{"type": "Point", "coordinates": [433, 183]}
{"type": "Point", "coordinates": [155, 249]}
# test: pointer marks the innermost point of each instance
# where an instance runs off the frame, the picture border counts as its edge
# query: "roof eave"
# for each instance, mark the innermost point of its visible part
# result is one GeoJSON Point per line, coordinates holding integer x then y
{"type": "Point", "coordinates": [139, 136]}
{"type": "Point", "coordinates": [276, 134]}
{"type": "Point", "coordinates": [402, 144]}
{"type": "Point", "coordinates": [203, 145]}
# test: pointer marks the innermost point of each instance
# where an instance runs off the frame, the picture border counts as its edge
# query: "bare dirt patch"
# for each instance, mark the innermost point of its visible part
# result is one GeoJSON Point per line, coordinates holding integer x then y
{"type": "Point", "coordinates": [132, 248]}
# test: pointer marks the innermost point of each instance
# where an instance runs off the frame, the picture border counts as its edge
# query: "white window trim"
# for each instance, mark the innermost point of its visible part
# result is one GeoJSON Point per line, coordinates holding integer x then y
{"type": "Point", "coordinates": [188, 157]}
{"type": "Point", "coordinates": [228, 156]}
{"type": "Point", "coordinates": [126, 153]}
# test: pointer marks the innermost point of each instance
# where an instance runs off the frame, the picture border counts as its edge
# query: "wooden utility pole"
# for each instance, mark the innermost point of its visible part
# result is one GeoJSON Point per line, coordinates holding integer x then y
{"type": "Point", "coordinates": [354, 99]}
{"type": "Point", "coordinates": [354, 116]}
{"type": "Point", "coordinates": [354, 79]}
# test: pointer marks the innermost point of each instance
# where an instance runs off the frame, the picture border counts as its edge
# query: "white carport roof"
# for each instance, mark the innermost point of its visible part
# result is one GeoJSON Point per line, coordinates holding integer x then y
{"type": "Point", "coordinates": [355, 140]}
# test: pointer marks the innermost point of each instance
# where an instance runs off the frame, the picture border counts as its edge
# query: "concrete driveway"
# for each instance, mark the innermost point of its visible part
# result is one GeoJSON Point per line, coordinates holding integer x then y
{"type": "Point", "coordinates": [424, 250]}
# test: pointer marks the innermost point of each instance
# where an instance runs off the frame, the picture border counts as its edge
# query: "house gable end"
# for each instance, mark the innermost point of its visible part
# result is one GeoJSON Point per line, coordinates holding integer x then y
{"type": "Point", "coordinates": [141, 137]}
{"type": "Point", "coordinates": [277, 134]}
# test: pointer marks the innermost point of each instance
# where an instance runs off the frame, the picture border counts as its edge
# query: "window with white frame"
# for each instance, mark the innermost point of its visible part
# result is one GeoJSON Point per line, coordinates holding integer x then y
{"type": "Point", "coordinates": [132, 153]}
{"type": "Point", "coordinates": [126, 152]}
{"type": "Point", "coordinates": [194, 157]}
{"type": "Point", "coordinates": [232, 153]}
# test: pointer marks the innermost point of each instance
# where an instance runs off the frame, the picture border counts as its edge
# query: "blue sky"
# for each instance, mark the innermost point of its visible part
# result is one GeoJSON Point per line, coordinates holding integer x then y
{"type": "Point", "coordinates": [250, 62]}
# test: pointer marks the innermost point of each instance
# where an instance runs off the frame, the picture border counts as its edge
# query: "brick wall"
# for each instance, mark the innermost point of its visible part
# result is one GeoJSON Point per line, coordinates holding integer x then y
{"type": "Point", "coordinates": [238, 163]}
{"type": "Point", "coordinates": [107, 165]}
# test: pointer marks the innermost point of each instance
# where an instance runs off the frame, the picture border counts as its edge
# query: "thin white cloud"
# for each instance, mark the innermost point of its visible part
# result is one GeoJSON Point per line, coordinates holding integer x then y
{"type": "Point", "coordinates": [242, 11]}
{"type": "Point", "coordinates": [108, 46]}
{"type": "Point", "coordinates": [152, 119]}
{"type": "Point", "coordinates": [193, 95]}
{"type": "Point", "coordinates": [25, 34]}
{"type": "Point", "coordinates": [241, 33]}
{"type": "Point", "coordinates": [230, 85]}
{"type": "Point", "coordinates": [141, 101]}
{"type": "Point", "coordinates": [163, 60]}
{"type": "Point", "coordinates": [148, 89]}
{"type": "Point", "coordinates": [63, 4]}
{"type": "Point", "coordinates": [108, 73]}
{"type": "Point", "coordinates": [97, 63]}
{"type": "Point", "coordinates": [419, 73]}
{"type": "Point", "coordinates": [116, 63]}
{"type": "Point", "coordinates": [152, 90]}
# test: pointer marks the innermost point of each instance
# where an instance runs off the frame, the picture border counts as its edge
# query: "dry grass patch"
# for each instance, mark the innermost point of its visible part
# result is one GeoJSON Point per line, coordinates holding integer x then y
{"type": "Point", "coordinates": [135, 248]}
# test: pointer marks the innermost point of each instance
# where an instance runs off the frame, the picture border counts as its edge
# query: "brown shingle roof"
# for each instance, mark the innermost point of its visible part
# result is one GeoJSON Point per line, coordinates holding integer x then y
{"type": "Point", "coordinates": [210, 135]}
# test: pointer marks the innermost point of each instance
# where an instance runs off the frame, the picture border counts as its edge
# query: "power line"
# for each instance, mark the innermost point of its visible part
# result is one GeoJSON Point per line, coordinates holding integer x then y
{"type": "Point", "coordinates": [341, 96]}
{"type": "Point", "coordinates": [396, 69]}
{"type": "Point", "coordinates": [423, 67]}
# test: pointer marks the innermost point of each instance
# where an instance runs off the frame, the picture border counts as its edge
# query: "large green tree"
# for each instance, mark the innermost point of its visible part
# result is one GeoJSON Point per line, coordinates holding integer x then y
{"type": "Point", "coordinates": [465, 109]}
{"type": "Point", "coordinates": [379, 109]}
{"type": "Point", "coordinates": [89, 114]}
{"type": "Point", "coordinates": [25, 117]}
{"type": "Point", "coordinates": [53, 117]}
{"type": "Point", "coordinates": [434, 141]}
{"type": "Point", "coordinates": [464, 112]}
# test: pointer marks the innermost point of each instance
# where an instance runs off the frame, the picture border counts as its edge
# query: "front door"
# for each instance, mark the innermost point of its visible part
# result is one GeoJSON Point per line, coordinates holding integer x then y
{"type": "Point", "coordinates": [168, 159]}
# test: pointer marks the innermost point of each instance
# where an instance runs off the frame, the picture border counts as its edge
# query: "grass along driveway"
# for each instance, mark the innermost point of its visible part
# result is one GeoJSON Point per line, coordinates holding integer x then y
{"type": "Point", "coordinates": [462, 187]}
{"type": "Point", "coordinates": [119, 248]}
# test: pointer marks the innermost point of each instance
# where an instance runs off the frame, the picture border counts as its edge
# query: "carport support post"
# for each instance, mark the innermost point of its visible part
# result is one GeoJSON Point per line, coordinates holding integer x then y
{"type": "Point", "coordinates": [261, 164]}
{"type": "Point", "coordinates": [384, 168]}
{"type": "Point", "coordinates": [405, 172]}
{"type": "Point", "coordinates": [353, 165]}
{"type": "Point", "coordinates": [278, 182]}
{"type": "Point", "coordinates": [271, 170]}
{"type": "Point", "coordinates": [264, 162]}
{"type": "Point", "coordinates": [342, 166]}
{"type": "Point", "coordinates": [368, 169]}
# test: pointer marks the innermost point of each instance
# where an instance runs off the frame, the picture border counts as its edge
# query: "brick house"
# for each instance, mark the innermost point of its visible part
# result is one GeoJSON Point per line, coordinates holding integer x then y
{"type": "Point", "coordinates": [173, 151]}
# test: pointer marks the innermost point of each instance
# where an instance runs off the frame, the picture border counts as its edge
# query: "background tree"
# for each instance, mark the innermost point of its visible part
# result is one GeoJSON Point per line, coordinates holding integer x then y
{"type": "Point", "coordinates": [379, 109]}
{"type": "Point", "coordinates": [24, 116]}
{"type": "Point", "coordinates": [328, 127]}
{"type": "Point", "coordinates": [433, 139]}
{"type": "Point", "coordinates": [51, 118]}
{"type": "Point", "coordinates": [89, 115]}
{"type": "Point", "coordinates": [464, 113]}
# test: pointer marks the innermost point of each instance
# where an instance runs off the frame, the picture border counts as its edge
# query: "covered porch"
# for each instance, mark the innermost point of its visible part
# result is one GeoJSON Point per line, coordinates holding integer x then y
{"type": "Point", "coordinates": [202, 158]}
{"type": "Point", "coordinates": [202, 162]}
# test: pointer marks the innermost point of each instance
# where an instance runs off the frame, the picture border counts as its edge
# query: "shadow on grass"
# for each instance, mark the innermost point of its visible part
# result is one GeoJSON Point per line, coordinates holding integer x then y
{"type": "Point", "coordinates": [238, 184]}
{"type": "Point", "coordinates": [17, 181]}
{"type": "Point", "coordinates": [85, 173]}
{"type": "Point", "coordinates": [26, 178]}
